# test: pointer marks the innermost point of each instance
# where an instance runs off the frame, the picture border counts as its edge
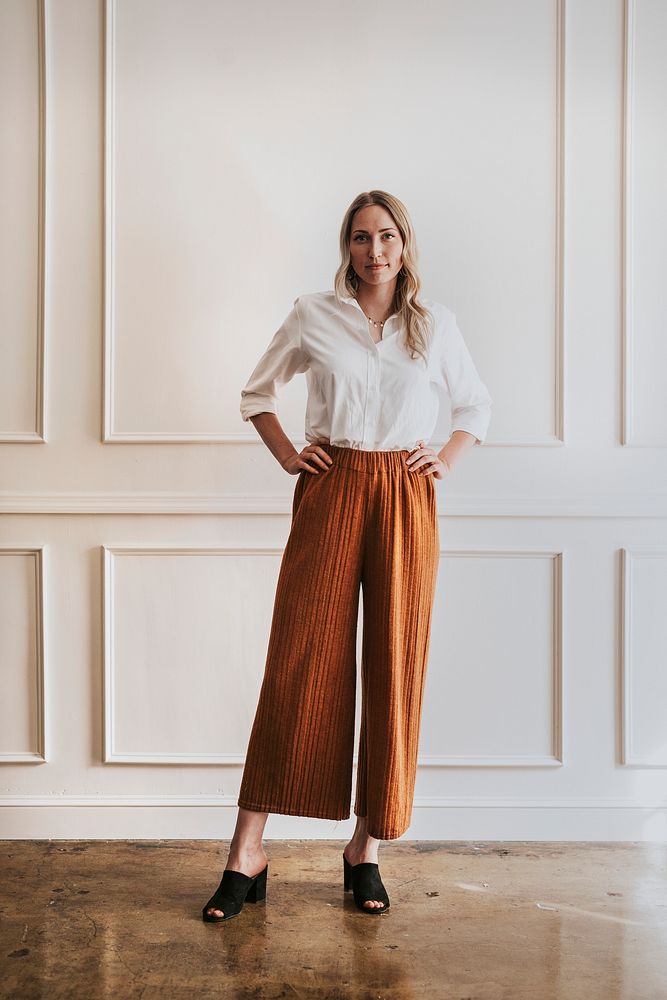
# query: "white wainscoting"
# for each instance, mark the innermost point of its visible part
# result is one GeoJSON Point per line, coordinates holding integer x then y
{"type": "Point", "coordinates": [174, 181]}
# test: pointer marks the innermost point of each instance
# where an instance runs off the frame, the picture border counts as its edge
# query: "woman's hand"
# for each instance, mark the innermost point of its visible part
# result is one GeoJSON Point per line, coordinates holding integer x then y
{"type": "Point", "coordinates": [312, 455]}
{"type": "Point", "coordinates": [427, 461]}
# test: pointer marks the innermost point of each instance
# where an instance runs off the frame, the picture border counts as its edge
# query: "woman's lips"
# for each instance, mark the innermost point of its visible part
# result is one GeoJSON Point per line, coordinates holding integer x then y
{"type": "Point", "coordinates": [377, 267]}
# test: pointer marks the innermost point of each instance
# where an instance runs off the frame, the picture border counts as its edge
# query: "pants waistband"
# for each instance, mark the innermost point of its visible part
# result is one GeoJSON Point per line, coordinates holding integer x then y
{"type": "Point", "coordinates": [367, 461]}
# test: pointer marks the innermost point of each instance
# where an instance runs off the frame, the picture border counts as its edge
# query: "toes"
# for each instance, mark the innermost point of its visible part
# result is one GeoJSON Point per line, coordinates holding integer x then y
{"type": "Point", "coordinates": [215, 913]}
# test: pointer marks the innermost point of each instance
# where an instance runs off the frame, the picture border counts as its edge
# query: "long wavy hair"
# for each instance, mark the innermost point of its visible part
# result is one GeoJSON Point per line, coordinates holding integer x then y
{"type": "Point", "coordinates": [415, 316]}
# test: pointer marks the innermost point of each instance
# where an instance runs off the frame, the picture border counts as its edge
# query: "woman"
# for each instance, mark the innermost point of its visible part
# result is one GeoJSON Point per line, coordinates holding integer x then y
{"type": "Point", "coordinates": [363, 515]}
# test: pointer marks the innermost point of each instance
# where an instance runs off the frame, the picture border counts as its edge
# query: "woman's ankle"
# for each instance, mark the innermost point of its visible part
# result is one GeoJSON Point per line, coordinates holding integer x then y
{"type": "Point", "coordinates": [246, 847]}
{"type": "Point", "coordinates": [362, 843]}
{"type": "Point", "coordinates": [361, 838]}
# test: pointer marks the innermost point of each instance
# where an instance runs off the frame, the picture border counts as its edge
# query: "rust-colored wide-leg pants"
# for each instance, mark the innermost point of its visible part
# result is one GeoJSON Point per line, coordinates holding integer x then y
{"type": "Point", "coordinates": [366, 521]}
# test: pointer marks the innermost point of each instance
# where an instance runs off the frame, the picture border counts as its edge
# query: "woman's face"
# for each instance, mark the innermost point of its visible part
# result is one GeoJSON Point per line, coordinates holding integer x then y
{"type": "Point", "coordinates": [375, 240]}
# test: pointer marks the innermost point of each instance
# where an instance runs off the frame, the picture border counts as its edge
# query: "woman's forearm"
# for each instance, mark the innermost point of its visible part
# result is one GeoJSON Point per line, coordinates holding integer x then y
{"type": "Point", "coordinates": [459, 442]}
{"type": "Point", "coordinates": [274, 437]}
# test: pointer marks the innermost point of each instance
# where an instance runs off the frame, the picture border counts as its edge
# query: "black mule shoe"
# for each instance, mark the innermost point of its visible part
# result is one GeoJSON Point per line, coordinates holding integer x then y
{"type": "Point", "coordinates": [234, 890]}
{"type": "Point", "coordinates": [365, 882]}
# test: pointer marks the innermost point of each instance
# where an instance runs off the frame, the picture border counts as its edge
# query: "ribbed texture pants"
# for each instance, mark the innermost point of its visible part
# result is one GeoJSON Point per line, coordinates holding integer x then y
{"type": "Point", "coordinates": [368, 522]}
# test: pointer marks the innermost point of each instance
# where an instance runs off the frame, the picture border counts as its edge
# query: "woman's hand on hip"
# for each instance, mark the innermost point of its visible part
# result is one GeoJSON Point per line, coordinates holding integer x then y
{"type": "Point", "coordinates": [312, 458]}
{"type": "Point", "coordinates": [425, 461]}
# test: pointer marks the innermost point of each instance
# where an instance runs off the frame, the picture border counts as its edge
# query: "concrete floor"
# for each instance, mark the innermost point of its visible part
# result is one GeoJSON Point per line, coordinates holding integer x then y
{"type": "Point", "coordinates": [468, 921]}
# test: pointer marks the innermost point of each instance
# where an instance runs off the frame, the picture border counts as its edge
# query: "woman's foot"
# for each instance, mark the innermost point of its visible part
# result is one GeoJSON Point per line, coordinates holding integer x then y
{"type": "Point", "coordinates": [246, 852]}
{"type": "Point", "coordinates": [363, 848]}
{"type": "Point", "coordinates": [248, 860]}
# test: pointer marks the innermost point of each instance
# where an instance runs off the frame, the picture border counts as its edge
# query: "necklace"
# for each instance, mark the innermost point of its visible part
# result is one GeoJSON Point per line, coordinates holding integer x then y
{"type": "Point", "coordinates": [379, 324]}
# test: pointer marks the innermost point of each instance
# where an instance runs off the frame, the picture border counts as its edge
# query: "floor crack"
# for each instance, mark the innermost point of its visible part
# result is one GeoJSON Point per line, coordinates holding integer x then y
{"type": "Point", "coordinates": [88, 917]}
{"type": "Point", "coordinates": [123, 962]}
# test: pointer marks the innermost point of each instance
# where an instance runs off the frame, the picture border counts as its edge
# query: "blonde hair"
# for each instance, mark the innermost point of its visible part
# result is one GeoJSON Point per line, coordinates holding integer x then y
{"type": "Point", "coordinates": [416, 317]}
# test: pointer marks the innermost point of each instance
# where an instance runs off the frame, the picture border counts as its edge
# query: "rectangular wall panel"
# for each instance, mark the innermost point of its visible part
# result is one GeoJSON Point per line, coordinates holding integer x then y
{"type": "Point", "coordinates": [646, 223]}
{"type": "Point", "coordinates": [494, 693]}
{"type": "Point", "coordinates": [644, 658]}
{"type": "Point", "coordinates": [22, 700]}
{"type": "Point", "coordinates": [199, 274]}
{"type": "Point", "coordinates": [22, 174]}
{"type": "Point", "coordinates": [186, 632]}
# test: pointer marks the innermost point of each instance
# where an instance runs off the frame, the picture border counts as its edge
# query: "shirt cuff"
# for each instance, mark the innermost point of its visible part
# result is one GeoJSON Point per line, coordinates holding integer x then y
{"type": "Point", "coordinates": [253, 403]}
{"type": "Point", "coordinates": [476, 424]}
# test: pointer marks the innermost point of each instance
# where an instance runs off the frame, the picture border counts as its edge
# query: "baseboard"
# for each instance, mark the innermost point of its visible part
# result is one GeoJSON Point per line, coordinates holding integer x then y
{"type": "Point", "coordinates": [107, 817]}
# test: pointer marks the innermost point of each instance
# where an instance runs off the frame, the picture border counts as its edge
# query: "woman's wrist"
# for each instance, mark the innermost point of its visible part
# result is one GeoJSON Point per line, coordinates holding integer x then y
{"type": "Point", "coordinates": [458, 442]}
{"type": "Point", "coordinates": [269, 429]}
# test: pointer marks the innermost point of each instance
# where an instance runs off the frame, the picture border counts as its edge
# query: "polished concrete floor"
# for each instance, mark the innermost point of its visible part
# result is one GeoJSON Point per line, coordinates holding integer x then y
{"type": "Point", "coordinates": [468, 921]}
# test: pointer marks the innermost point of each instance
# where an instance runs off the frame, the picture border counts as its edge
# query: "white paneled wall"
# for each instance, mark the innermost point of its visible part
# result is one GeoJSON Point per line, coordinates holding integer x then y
{"type": "Point", "coordinates": [173, 176]}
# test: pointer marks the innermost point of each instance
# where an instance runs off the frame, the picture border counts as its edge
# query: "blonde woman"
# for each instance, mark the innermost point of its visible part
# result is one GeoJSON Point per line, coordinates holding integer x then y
{"type": "Point", "coordinates": [363, 517]}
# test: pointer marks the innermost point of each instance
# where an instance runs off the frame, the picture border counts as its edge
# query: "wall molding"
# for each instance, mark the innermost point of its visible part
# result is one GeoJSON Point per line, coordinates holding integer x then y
{"type": "Point", "coordinates": [627, 235]}
{"type": "Point", "coordinates": [38, 435]}
{"type": "Point", "coordinates": [555, 759]}
{"type": "Point", "coordinates": [113, 755]}
{"type": "Point", "coordinates": [559, 250]}
{"type": "Point", "coordinates": [627, 246]}
{"type": "Point", "coordinates": [40, 754]}
{"type": "Point", "coordinates": [112, 436]}
{"type": "Point", "coordinates": [609, 504]}
{"type": "Point", "coordinates": [420, 802]}
{"type": "Point", "coordinates": [628, 756]}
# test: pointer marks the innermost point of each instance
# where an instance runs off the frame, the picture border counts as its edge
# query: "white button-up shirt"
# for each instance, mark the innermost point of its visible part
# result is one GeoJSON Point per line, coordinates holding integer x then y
{"type": "Point", "coordinates": [362, 394]}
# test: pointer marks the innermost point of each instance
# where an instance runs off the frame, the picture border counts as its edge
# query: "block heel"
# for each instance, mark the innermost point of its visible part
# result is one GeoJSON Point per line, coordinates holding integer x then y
{"type": "Point", "coordinates": [347, 875]}
{"type": "Point", "coordinates": [234, 890]}
{"type": "Point", "coordinates": [257, 891]}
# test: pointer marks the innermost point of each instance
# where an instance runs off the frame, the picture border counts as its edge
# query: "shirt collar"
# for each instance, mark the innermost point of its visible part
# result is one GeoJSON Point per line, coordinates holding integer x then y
{"type": "Point", "coordinates": [351, 300]}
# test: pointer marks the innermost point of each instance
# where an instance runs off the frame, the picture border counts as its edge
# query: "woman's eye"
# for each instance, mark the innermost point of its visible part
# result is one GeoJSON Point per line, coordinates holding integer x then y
{"type": "Point", "coordinates": [360, 236]}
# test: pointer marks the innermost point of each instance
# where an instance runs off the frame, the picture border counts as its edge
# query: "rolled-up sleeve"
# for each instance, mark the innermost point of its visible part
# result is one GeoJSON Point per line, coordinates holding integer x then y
{"type": "Point", "coordinates": [281, 361]}
{"type": "Point", "coordinates": [470, 398]}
